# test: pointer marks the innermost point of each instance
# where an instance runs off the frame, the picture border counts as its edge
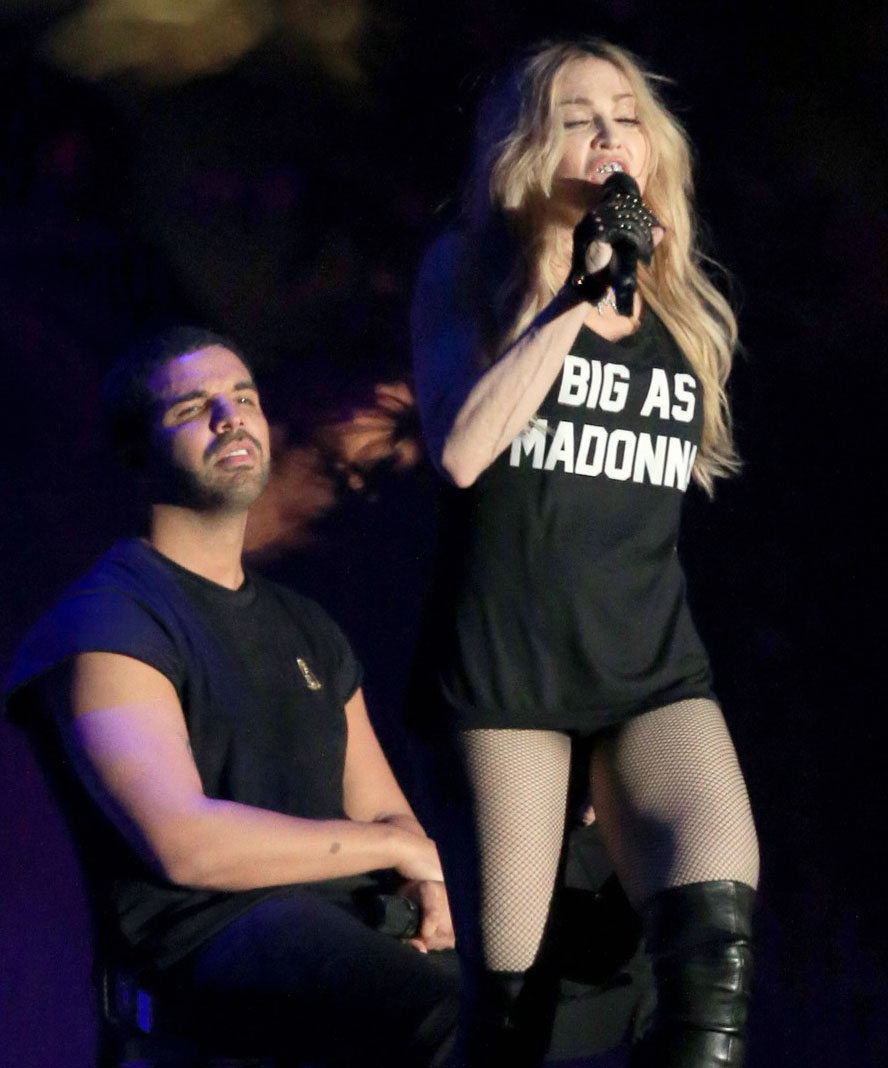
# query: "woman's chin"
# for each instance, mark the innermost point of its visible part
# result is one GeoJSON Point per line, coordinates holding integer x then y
{"type": "Point", "coordinates": [576, 194]}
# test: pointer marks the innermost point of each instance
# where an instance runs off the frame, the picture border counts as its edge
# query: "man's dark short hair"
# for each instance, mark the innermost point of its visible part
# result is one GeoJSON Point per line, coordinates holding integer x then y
{"type": "Point", "coordinates": [127, 401]}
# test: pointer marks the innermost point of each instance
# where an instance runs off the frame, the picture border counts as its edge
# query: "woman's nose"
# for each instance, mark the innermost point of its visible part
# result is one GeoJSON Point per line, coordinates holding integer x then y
{"type": "Point", "coordinates": [606, 132]}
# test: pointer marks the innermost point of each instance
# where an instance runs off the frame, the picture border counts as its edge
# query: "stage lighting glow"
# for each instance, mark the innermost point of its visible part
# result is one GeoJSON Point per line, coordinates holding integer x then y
{"type": "Point", "coordinates": [159, 41]}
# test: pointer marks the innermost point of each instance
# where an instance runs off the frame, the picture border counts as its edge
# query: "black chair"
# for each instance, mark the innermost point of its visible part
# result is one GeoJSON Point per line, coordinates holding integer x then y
{"type": "Point", "coordinates": [140, 1029]}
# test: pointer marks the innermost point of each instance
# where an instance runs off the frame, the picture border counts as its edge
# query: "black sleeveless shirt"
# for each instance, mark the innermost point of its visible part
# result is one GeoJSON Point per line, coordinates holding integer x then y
{"type": "Point", "coordinates": [567, 598]}
{"type": "Point", "coordinates": [262, 675]}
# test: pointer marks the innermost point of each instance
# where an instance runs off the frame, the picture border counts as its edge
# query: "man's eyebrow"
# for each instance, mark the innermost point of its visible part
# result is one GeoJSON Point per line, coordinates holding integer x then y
{"type": "Point", "coordinates": [180, 398]}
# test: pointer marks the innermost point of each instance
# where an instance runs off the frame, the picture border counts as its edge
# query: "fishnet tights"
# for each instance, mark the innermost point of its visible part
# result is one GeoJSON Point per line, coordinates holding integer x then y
{"type": "Point", "coordinates": [519, 782]}
{"type": "Point", "coordinates": [668, 793]}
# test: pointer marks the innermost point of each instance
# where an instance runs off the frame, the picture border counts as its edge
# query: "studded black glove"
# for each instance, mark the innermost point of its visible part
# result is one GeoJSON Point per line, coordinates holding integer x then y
{"type": "Point", "coordinates": [621, 216]}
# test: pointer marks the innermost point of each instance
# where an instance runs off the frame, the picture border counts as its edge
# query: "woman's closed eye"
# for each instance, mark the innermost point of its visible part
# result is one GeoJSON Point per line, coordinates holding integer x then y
{"type": "Point", "coordinates": [575, 120]}
{"type": "Point", "coordinates": [584, 123]}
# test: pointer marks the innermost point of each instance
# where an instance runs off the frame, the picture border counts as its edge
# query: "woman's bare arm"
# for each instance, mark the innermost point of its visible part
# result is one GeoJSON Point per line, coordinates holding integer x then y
{"type": "Point", "coordinates": [471, 415]}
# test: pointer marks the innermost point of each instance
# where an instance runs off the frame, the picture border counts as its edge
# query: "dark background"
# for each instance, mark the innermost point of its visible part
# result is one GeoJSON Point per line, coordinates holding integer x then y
{"type": "Point", "coordinates": [274, 169]}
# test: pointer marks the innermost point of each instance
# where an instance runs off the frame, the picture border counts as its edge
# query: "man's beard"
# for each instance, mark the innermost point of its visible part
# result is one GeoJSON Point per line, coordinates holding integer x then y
{"type": "Point", "coordinates": [234, 492]}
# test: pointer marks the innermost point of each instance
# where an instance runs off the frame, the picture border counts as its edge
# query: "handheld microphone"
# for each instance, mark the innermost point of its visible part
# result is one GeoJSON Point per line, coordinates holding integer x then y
{"type": "Point", "coordinates": [620, 194]}
{"type": "Point", "coordinates": [390, 914]}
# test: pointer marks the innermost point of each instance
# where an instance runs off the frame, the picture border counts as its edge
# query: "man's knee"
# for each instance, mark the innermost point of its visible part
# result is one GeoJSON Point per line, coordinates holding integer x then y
{"type": "Point", "coordinates": [297, 975]}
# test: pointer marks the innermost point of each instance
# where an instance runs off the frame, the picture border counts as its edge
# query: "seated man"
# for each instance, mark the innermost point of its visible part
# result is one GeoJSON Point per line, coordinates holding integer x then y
{"type": "Point", "coordinates": [214, 719]}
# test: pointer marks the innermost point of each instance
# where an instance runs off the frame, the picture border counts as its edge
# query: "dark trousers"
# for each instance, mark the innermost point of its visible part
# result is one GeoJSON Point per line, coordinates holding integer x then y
{"type": "Point", "coordinates": [300, 978]}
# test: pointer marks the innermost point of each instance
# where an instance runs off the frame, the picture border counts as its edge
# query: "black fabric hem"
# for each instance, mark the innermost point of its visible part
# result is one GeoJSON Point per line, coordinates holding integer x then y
{"type": "Point", "coordinates": [579, 721]}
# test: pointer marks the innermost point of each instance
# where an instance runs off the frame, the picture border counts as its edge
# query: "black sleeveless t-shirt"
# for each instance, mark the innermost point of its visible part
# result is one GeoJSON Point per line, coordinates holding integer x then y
{"type": "Point", "coordinates": [567, 604]}
{"type": "Point", "coordinates": [262, 675]}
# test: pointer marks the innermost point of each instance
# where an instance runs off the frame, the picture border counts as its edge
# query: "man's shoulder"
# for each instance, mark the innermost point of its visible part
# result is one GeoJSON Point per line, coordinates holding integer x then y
{"type": "Point", "coordinates": [124, 579]}
{"type": "Point", "coordinates": [126, 567]}
{"type": "Point", "coordinates": [115, 606]}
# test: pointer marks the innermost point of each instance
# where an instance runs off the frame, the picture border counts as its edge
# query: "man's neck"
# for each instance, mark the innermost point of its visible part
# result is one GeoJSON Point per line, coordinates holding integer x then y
{"type": "Point", "coordinates": [208, 543]}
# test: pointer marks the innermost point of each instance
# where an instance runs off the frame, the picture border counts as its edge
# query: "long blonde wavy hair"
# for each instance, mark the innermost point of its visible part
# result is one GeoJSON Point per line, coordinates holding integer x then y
{"type": "Point", "coordinates": [519, 142]}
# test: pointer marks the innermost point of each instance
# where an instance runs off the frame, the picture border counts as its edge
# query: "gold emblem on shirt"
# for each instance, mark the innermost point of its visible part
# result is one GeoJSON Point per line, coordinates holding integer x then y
{"type": "Point", "coordinates": [311, 680]}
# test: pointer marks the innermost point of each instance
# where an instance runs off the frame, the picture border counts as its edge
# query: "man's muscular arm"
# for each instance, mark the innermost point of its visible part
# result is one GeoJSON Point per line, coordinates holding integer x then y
{"type": "Point", "coordinates": [372, 793]}
{"type": "Point", "coordinates": [126, 734]}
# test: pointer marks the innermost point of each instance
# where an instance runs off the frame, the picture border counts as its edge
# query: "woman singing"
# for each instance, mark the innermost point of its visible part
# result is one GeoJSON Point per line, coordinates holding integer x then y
{"type": "Point", "coordinates": [571, 409]}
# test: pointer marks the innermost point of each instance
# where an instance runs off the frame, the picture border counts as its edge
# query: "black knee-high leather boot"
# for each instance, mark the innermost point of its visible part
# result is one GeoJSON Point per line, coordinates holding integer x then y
{"type": "Point", "coordinates": [698, 938]}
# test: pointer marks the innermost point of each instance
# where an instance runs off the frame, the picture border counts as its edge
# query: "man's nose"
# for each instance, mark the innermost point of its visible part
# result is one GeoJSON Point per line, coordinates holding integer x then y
{"type": "Point", "coordinates": [225, 415]}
